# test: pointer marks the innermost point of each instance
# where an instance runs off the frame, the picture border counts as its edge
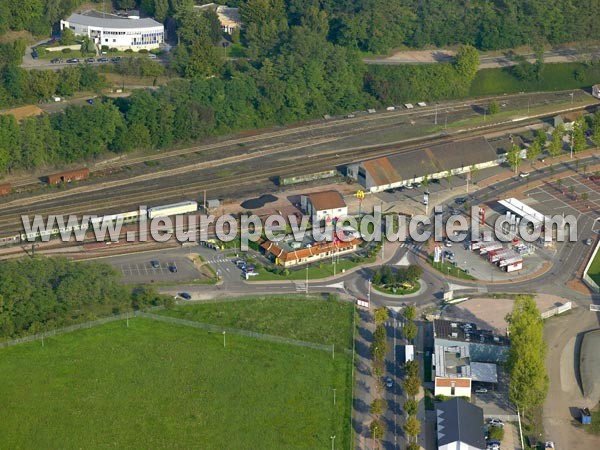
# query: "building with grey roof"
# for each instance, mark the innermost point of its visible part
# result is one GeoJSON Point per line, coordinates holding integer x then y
{"type": "Point", "coordinates": [113, 31]}
{"type": "Point", "coordinates": [459, 425]}
{"type": "Point", "coordinates": [414, 165]}
{"type": "Point", "coordinates": [484, 346]}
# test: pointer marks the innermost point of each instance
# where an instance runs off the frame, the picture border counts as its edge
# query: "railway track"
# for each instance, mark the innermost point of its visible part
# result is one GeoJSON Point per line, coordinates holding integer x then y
{"type": "Point", "coordinates": [97, 202]}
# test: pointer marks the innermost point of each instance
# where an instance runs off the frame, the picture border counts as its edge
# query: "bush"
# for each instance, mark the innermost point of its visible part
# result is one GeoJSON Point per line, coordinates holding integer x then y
{"type": "Point", "coordinates": [66, 50]}
{"type": "Point", "coordinates": [128, 51]}
{"type": "Point", "coordinates": [411, 406]}
{"type": "Point", "coordinates": [496, 433]}
{"type": "Point", "coordinates": [113, 50]}
{"type": "Point", "coordinates": [143, 50]}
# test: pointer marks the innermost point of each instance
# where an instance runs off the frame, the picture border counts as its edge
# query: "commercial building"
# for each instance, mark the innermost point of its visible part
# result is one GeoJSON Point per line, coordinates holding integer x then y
{"type": "Point", "coordinates": [326, 205]}
{"type": "Point", "coordinates": [414, 165]}
{"type": "Point", "coordinates": [289, 252]}
{"type": "Point", "coordinates": [459, 426]}
{"type": "Point", "coordinates": [120, 32]}
{"type": "Point", "coordinates": [483, 345]}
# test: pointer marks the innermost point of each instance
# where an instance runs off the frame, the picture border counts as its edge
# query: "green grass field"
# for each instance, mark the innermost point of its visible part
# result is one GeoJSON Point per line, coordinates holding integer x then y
{"type": "Point", "coordinates": [162, 386]}
{"type": "Point", "coordinates": [449, 269]}
{"type": "Point", "coordinates": [323, 270]}
{"type": "Point", "coordinates": [556, 77]}
{"type": "Point", "coordinates": [296, 317]}
{"type": "Point", "coordinates": [594, 270]}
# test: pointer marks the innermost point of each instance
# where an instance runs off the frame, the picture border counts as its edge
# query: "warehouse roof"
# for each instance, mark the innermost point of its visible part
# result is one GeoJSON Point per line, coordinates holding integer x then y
{"type": "Point", "coordinates": [460, 421]}
{"type": "Point", "coordinates": [419, 162]}
{"type": "Point", "coordinates": [326, 200]}
{"type": "Point", "coordinates": [95, 19]}
{"type": "Point", "coordinates": [466, 332]}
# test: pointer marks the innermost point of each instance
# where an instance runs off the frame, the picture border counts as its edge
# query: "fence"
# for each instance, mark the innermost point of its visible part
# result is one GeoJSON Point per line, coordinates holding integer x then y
{"type": "Point", "coordinates": [558, 310]}
{"type": "Point", "coordinates": [219, 329]}
{"type": "Point", "coordinates": [71, 328]}
{"type": "Point", "coordinates": [586, 278]}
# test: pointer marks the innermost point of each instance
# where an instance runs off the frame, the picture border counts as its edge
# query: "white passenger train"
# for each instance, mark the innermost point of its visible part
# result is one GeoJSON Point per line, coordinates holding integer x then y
{"type": "Point", "coordinates": [127, 217]}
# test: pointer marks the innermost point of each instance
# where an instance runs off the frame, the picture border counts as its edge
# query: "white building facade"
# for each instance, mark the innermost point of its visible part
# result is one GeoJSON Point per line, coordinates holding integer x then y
{"type": "Point", "coordinates": [118, 32]}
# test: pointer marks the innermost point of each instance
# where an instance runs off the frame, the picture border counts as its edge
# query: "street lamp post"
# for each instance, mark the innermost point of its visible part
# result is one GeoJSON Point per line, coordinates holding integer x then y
{"type": "Point", "coordinates": [333, 442]}
{"type": "Point", "coordinates": [223, 339]}
{"type": "Point", "coordinates": [334, 396]}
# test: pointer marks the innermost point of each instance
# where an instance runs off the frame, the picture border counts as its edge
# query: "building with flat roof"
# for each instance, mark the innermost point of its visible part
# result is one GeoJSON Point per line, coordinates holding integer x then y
{"type": "Point", "coordinates": [325, 205]}
{"type": "Point", "coordinates": [115, 31]}
{"type": "Point", "coordinates": [460, 426]}
{"type": "Point", "coordinates": [483, 345]}
{"type": "Point", "coordinates": [414, 165]}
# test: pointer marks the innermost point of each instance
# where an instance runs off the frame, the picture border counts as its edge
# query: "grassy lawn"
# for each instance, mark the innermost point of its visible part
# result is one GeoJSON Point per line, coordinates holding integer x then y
{"type": "Point", "coordinates": [293, 316]}
{"type": "Point", "coordinates": [314, 272]}
{"type": "Point", "coordinates": [556, 77]}
{"type": "Point", "coordinates": [594, 270]}
{"type": "Point", "coordinates": [594, 428]}
{"type": "Point", "coordinates": [449, 269]}
{"type": "Point", "coordinates": [161, 386]}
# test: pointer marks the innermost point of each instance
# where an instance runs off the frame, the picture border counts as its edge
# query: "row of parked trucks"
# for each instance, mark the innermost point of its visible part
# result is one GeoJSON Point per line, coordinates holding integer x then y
{"type": "Point", "coordinates": [508, 259]}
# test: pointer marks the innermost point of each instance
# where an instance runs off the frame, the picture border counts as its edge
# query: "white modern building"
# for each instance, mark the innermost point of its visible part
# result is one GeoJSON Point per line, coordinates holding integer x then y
{"type": "Point", "coordinates": [120, 32]}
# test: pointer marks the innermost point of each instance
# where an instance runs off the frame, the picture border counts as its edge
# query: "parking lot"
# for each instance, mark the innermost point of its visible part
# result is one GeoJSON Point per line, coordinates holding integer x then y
{"type": "Point", "coordinates": [572, 195]}
{"type": "Point", "coordinates": [171, 267]}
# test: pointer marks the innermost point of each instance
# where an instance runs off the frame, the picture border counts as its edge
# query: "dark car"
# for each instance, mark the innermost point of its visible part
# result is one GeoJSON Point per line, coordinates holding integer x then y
{"type": "Point", "coordinates": [55, 60]}
{"type": "Point", "coordinates": [90, 60]}
{"type": "Point", "coordinates": [91, 101]}
{"type": "Point", "coordinates": [460, 200]}
{"type": "Point", "coordinates": [103, 59]}
{"type": "Point", "coordinates": [34, 54]}
{"type": "Point", "coordinates": [73, 60]}
{"type": "Point", "coordinates": [155, 264]}
{"type": "Point", "coordinates": [115, 59]}
{"type": "Point", "coordinates": [185, 295]}
{"type": "Point", "coordinates": [173, 269]}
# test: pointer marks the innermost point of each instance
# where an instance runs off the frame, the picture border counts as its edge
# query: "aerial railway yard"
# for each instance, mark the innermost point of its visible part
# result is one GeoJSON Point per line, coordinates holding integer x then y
{"type": "Point", "coordinates": [249, 164]}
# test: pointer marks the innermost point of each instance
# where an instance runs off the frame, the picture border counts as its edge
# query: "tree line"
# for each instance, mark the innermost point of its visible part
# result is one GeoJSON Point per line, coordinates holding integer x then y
{"type": "Point", "coordinates": [45, 293]}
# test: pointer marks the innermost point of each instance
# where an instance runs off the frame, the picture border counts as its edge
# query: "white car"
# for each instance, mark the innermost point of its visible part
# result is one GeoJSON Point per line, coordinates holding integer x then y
{"type": "Point", "coordinates": [481, 391]}
{"type": "Point", "coordinates": [524, 174]}
{"type": "Point", "coordinates": [496, 423]}
{"type": "Point", "coordinates": [447, 243]}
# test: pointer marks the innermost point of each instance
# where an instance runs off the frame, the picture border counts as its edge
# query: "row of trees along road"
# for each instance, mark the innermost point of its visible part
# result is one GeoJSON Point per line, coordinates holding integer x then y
{"type": "Point", "coordinates": [528, 385]}
{"type": "Point", "coordinates": [554, 144]}
{"type": "Point", "coordinates": [379, 349]}
{"type": "Point", "coordinates": [412, 382]}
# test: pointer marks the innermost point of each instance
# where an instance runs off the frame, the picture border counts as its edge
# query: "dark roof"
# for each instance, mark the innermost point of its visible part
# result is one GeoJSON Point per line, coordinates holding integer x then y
{"type": "Point", "coordinates": [460, 421]}
{"type": "Point", "coordinates": [382, 171]}
{"type": "Point", "coordinates": [466, 332]}
{"type": "Point", "coordinates": [458, 154]}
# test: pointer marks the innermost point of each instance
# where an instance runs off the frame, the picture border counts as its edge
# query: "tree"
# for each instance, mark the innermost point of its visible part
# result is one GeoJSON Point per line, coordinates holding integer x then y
{"type": "Point", "coordinates": [448, 176]}
{"type": "Point", "coordinates": [125, 4]}
{"type": "Point", "coordinates": [67, 37]}
{"type": "Point", "coordinates": [411, 406]}
{"type": "Point", "coordinates": [495, 433]}
{"type": "Point", "coordinates": [473, 170]}
{"type": "Point", "coordinates": [556, 145]}
{"type": "Point", "coordinates": [410, 331]}
{"type": "Point", "coordinates": [493, 108]}
{"type": "Point", "coordinates": [412, 368]}
{"type": "Point", "coordinates": [377, 428]}
{"type": "Point", "coordinates": [541, 138]}
{"type": "Point", "coordinates": [534, 151]}
{"type": "Point", "coordinates": [578, 135]}
{"type": "Point", "coordinates": [585, 196]}
{"type": "Point", "coordinates": [412, 385]}
{"type": "Point", "coordinates": [412, 426]}
{"type": "Point", "coordinates": [378, 406]}
{"type": "Point", "coordinates": [381, 315]}
{"type": "Point", "coordinates": [413, 446]}
{"type": "Point", "coordinates": [513, 157]}
{"type": "Point", "coordinates": [528, 384]}
{"type": "Point", "coordinates": [413, 273]}
{"type": "Point", "coordinates": [467, 62]}
{"type": "Point", "coordinates": [410, 312]}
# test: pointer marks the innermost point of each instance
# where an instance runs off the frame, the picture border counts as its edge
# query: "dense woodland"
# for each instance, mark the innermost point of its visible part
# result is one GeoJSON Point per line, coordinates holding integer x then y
{"type": "Point", "coordinates": [46, 293]}
{"type": "Point", "coordinates": [303, 62]}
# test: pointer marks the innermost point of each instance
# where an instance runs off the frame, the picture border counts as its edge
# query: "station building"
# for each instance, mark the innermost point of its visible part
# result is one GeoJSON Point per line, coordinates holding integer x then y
{"type": "Point", "coordinates": [326, 205]}
{"type": "Point", "coordinates": [115, 31]}
{"type": "Point", "coordinates": [414, 165]}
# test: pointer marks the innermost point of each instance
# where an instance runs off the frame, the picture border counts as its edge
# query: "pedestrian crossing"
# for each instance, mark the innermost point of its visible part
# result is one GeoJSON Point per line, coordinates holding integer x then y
{"type": "Point", "coordinates": [218, 260]}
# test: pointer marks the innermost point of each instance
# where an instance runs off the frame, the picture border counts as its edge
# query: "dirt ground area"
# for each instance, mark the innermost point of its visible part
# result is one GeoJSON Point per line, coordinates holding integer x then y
{"type": "Point", "coordinates": [489, 313]}
{"type": "Point", "coordinates": [23, 111]}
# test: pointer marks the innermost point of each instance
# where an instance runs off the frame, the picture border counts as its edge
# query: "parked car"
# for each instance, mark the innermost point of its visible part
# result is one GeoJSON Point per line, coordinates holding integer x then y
{"type": "Point", "coordinates": [185, 295]}
{"type": "Point", "coordinates": [152, 56]}
{"type": "Point", "coordinates": [389, 382]}
{"type": "Point", "coordinates": [481, 391]}
{"type": "Point", "coordinates": [524, 174]}
{"type": "Point", "coordinates": [250, 274]}
{"type": "Point", "coordinates": [56, 60]}
{"type": "Point", "coordinates": [409, 186]}
{"type": "Point", "coordinates": [173, 269]}
{"type": "Point", "coordinates": [34, 54]}
{"type": "Point", "coordinates": [460, 200]}
{"type": "Point", "coordinates": [102, 60]}
{"type": "Point", "coordinates": [91, 101]}
{"type": "Point", "coordinates": [448, 243]}
{"type": "Point", "coordinates": [155, 264]}
{"type": "Point", "coordinates": [496, 422]}
{"type": "Point", "coordinates": [588, 242]}
{"type": "Point", "coordinates": [455, 212]}
{"type": "Point", "coordinates": [72, 60]}
{"type": "Point", "coordinates": [90, 60]}
{"type": "Point", "coordinates": [115, 59]}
